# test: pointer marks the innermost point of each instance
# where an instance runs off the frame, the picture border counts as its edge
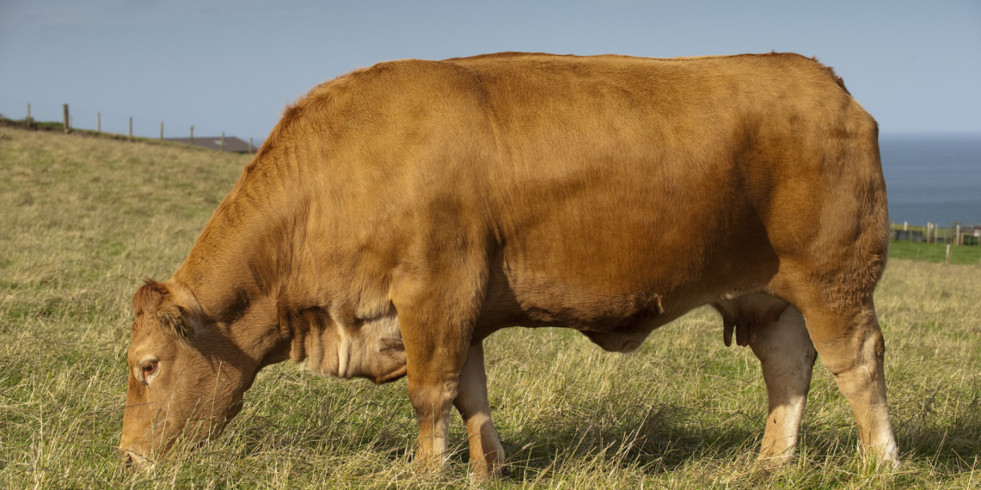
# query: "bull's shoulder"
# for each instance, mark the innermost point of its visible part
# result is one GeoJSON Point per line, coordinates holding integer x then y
{"type": "Point", "coordinates": [506, 56]}
{"type": "Point", "coordinates": [384, 87]}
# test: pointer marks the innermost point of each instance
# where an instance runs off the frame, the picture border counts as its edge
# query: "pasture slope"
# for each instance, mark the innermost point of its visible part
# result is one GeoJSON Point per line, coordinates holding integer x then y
{"type": "Point", "coordinates": [84, 220]}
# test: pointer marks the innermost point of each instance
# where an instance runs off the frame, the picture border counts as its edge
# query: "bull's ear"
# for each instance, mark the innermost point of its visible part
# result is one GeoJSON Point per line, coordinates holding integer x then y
{"type": "Point", "coordinates": [174, 321]}
{"type": "Point", "coordinates": [180, 314]}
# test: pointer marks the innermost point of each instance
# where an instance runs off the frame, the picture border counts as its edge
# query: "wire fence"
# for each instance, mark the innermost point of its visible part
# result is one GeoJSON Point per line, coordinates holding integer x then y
{"type": "Point", "coordinates": [71, 118]}
{"type": "Point", "coordinates": [956, 235]}
{"type": "Point", "coordinates": [93, 119]}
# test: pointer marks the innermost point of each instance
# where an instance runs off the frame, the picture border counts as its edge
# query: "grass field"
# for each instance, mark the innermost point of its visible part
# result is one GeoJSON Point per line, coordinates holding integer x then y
{"type": "Point", "coordinates": [935, 252]}
{"type": "Point", "coordinates": [85, 219]}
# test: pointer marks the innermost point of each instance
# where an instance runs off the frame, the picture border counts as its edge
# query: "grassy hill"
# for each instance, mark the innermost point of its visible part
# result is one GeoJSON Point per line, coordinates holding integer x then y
{"type": "Point", "coordinates": [83, 220]}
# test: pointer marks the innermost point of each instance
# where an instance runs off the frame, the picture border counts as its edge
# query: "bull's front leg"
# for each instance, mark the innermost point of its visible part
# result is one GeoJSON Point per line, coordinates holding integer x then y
{"type": "Point", "coordinates": [436, 348]}
{"type": "Point", "coordinates": [437, 294]}
{"type": "Point", "coordinates": [486, 452]}
{"type": "Point", "coordinates": [433, 379]}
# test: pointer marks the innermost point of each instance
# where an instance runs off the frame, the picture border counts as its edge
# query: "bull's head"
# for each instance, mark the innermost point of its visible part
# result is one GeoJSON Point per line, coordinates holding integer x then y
{"type": "Point", "coordinates": [188, 372]}
{"type": "Point", "coordinates": [186, 376]}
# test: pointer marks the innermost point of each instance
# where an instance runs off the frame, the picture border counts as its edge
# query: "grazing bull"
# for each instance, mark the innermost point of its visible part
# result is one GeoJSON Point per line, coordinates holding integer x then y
{"type": "Point", "coordinates": [398, 215]}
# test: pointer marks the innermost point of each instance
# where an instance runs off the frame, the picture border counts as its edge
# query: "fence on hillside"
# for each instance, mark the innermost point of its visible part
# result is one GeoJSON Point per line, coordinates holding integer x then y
{"type": "Point", "coordinates": [216, 142]}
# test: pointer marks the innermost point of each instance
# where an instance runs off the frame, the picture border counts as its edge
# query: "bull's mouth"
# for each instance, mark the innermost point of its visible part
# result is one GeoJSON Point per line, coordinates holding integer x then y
{"type": "Point", "coordinates": [133, 461]}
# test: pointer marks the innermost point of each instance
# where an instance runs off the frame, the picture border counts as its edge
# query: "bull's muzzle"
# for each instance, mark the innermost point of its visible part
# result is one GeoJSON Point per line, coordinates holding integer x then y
{"type": "Point", "coordinates": [131, 460]}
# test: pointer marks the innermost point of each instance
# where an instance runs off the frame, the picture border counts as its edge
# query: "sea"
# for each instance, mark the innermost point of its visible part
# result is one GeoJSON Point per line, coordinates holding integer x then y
{"type": "Point", "coordinates": [932, 178]}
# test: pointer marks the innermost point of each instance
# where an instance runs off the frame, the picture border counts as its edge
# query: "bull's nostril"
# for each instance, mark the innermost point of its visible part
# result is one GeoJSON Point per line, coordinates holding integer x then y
{"type": "Point", "coordinates": [130, 460]}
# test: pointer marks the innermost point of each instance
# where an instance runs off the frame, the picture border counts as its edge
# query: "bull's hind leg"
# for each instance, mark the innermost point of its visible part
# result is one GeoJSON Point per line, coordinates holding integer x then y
{"type": "Point", "coordinates": [486, 452]}
{"type": "Point", "coordinates": [776, 333]}
{"type": "Point", "coordinates": [850, 344]}
{"type": "Point", "coordinates": [787, 358]}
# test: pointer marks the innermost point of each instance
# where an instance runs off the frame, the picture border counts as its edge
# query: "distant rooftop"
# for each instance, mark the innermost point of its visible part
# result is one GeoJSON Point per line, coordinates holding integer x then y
{"type": "Point", "coordinates": [232, 143]}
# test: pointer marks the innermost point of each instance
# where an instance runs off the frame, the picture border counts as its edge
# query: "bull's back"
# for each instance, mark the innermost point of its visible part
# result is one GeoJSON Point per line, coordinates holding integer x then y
{"type": "Point", "coordinates": [627, 186]}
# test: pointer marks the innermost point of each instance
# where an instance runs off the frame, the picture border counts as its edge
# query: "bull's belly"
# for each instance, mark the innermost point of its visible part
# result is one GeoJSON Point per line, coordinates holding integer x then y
{"type": "Point", "coordinates": [629, 337]}
{"type": "Point", "coordinates": [617, 304]}
{"type": "Point", "coordinates": [618, 285]}
{"type": "Point", "coordinates": [617, 322]}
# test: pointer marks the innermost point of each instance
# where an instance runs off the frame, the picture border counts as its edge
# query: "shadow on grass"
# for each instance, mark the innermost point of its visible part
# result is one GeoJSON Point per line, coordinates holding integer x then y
{"type": "Point", "coordinates": [664, 443]}
{"type": "Point", "coordinates": [663, 440]}
{"type": "Point", "coordinates": [654, 440]}
{"type": "Point", "coordinates": [951, 447]}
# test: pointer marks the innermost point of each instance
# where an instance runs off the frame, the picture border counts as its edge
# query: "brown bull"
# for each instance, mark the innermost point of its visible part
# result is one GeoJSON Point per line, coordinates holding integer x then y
{"type": "Point", "coordinates": [400, 214]}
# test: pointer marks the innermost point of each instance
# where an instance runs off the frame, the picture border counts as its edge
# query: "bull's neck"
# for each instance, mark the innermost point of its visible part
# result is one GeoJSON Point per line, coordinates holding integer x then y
{"type": "Point", "coordinates": [240, 255]}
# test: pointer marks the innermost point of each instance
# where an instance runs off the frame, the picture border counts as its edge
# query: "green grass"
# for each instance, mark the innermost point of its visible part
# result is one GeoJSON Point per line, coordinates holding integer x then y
{"type": "Point", "coordinates": [84, 220]}
{"type": "Point", "coordinates": [934, 252]}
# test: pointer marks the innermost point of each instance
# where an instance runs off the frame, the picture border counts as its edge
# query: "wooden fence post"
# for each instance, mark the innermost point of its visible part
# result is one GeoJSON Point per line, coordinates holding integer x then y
{"type": "Point", "coordinates": [958, 241]}
{"type": "Point", "coordinates": [192, 135]}
{"type": "Point", "coordinates": [98, 122]}
{"type": "Point", "coordinates": [65, 121]}
{"type": "Point", "coordinates": [130, 127]}
{"type": "Point", "coordinates": [28, 120]}
{"type": "Point", "coordinates": [161, 130]}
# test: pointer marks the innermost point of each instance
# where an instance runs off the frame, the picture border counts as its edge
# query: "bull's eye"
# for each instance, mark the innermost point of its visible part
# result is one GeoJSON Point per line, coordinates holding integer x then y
{"type": "Point", "coordinates": [148, 367]}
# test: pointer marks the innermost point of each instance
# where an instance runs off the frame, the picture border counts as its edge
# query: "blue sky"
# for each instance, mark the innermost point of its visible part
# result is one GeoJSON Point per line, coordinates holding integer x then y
{"type": "Point", "coordinates": [233, 66]}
